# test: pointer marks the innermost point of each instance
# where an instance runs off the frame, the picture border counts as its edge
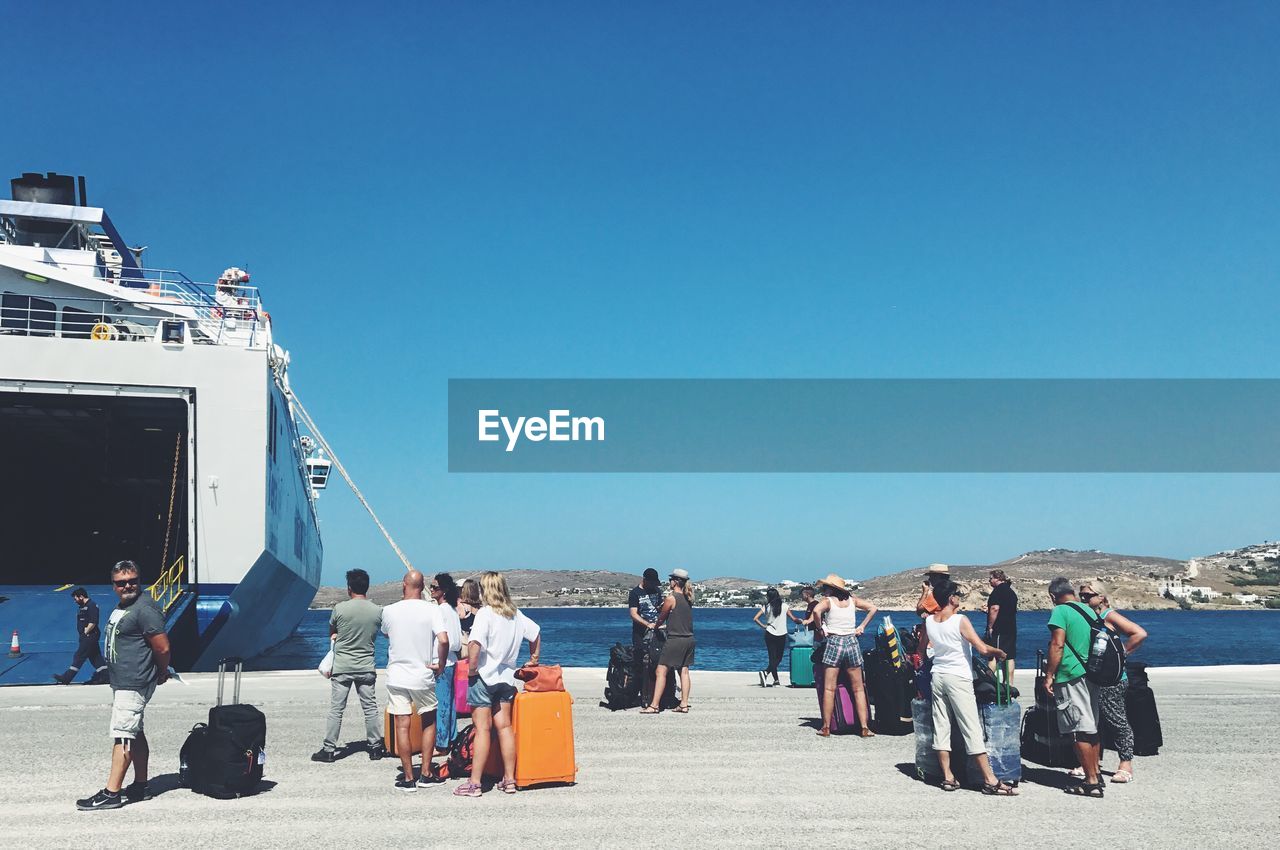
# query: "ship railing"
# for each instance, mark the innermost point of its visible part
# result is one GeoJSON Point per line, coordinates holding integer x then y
{"type": "Point", "coordinates": [229, 323]}
{"type": "Point", "coordinates": [169, 588]}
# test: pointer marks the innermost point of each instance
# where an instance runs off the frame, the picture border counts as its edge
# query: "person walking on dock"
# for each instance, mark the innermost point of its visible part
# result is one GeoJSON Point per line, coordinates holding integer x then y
{"type": "Point", "coordinates": [838, 611]}
{"type": "Point", "coordinates": [499, 630]}
{"type": "Point", "coordinates": [954, 639]}
{"type": "Point", "coordinates": [677, 653]}
{"type": "Point", "coordinates": [775, 633]}
{"type": "Point", "coordinates": [87, 619]}
{"type": "Point", "coordinates": [445, 592]}
{"type": "Point", "coordinates": [1077, 699]}
{"type": "Point", "coordinates": [1002, 617]}
{"type": "Point", "coordinates": [354, 624]}
{"type": "Point", "coordinates": [417, 652]}
{"type": "Point", "coordinates": [137, 661]}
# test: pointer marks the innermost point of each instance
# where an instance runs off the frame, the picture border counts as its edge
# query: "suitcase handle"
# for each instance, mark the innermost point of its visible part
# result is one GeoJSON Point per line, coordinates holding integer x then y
{"type": "Point", "coordinates": [222, 673]}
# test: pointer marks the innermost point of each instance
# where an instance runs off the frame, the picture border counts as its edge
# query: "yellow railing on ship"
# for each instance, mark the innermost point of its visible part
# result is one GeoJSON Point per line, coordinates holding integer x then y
{"type": "Point", "coordinates": [166, 589]}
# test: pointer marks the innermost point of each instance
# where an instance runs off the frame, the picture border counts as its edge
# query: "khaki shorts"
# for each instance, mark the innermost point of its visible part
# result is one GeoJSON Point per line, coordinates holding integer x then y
{"type": "Point", "coordinates": [127, 708]}
{"type": "Point", "coordinates": [401, 701]}
{"type": "Point", "coordinates": [1078, 706]}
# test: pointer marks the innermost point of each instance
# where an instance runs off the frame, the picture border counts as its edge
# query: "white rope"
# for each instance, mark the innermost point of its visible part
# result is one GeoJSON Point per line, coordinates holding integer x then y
{"type": "Point", "coordinates": [324, 444]}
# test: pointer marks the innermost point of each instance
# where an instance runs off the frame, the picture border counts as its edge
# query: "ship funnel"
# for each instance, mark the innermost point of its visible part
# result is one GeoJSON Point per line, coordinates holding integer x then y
{"type": "Point", "coordinates": [51, 188]}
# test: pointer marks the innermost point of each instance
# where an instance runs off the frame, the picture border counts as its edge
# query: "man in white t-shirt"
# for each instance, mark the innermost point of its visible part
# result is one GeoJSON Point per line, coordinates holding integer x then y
{"type": "Point", "coordinates": [418, 649]}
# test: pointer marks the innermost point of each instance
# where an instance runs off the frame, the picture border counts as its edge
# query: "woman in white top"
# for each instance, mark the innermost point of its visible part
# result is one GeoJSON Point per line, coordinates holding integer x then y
{"type": "Point", "coordinates": [953, 639]}
{"type": "Point", "coordinates": [775, 633]}
{"type": "Point", "coordinates": [838, 612]}
{"type": "Point", "coordinates": [494, 647]}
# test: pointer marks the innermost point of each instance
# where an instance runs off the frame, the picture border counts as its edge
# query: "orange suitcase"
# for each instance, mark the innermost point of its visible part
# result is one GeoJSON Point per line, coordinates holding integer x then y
{"type": "Point", "coordinates": [544, 738]}
{"type": "Point", "coordinates": [389, 733]}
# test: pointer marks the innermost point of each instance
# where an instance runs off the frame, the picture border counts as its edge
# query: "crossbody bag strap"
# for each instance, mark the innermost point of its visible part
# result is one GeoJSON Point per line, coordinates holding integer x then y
{"type": "Point", "coordinates": [1097, 622]}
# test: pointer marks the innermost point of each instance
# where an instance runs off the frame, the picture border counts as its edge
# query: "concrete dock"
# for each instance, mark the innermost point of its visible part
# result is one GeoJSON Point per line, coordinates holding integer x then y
{"type": "Point", "coordinates": [743, 767]}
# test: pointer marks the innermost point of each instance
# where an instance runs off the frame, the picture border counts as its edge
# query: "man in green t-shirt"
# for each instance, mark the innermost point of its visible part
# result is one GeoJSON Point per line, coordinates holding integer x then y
{"type": "Point", "coordinates": [1076, 698]}
{"type": "Point", "coordinates": [352, 627]}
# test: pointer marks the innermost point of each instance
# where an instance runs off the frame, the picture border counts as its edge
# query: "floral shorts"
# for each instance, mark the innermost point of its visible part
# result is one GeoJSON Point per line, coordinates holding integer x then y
{"type": "Point", "coordinates": [842, 651]}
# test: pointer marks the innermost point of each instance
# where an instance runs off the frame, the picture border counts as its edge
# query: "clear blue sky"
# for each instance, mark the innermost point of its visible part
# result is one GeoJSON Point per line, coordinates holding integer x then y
{"type": "Point", "coordinates": [589, 189]}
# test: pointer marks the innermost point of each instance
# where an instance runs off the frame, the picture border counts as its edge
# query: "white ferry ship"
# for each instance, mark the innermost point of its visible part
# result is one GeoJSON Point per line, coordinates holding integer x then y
{"type": "Point", "coordinates": [148, 417]}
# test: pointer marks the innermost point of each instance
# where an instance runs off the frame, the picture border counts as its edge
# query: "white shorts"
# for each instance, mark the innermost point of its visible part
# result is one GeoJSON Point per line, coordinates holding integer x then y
{"type": "Point", "coordinates": [126, 712]}
{"type": "Point", "coordinates": [402, 701]}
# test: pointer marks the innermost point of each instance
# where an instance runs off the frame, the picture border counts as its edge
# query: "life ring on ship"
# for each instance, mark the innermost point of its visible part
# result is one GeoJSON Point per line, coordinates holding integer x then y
{"type": "Point", "coordinates": [102, 331]}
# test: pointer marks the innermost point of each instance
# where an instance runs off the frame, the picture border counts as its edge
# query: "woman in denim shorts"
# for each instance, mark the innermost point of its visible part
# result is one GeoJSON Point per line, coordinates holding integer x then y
{"type": "Point", "coordinates": [839, 612]}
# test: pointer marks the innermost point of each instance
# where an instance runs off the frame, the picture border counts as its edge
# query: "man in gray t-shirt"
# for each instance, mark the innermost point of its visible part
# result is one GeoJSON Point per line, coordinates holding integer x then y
{"type": "Point", "coordinates": [352, 627]}
{"type": "Point", "coordinates": [137, 652]}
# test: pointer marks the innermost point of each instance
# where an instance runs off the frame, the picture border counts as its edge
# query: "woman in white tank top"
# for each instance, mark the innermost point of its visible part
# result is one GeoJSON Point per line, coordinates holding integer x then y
{"type": "Point", "coordinates": [954, 639]}
{"type": "Point", "coordinates": [838, 611]}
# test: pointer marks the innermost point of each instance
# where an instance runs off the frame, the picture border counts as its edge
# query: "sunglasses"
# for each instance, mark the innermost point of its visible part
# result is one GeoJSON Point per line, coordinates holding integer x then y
{"type": "Point", "coordinates": [435, 587]}
{"type": "Point", "coordinates": [125, 582]}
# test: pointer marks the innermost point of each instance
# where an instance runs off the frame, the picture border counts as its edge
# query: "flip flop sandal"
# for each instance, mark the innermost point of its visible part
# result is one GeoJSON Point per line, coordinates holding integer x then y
{"type": "Point", "coordinates": [1084, 789]}
{"type": "Point", "coordinates": [683, 709]}
{"type": "Point", "coordinates": [648, 709]}
{"type": "Point", "coordinates": [824, 733]}
{"type": "Point", "coordinates": [1000, 789]}
{"type": "Point", "coordinates": [1120, 777]}
{"type": "Point", "coordinates": [950, 785]}
{"type": "Point", "coordinates": [1076, 773]}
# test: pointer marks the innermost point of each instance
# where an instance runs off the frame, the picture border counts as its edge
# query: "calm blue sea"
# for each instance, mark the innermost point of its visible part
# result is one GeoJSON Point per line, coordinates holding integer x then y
{"type": "Point", "coordinates": [728, 640]}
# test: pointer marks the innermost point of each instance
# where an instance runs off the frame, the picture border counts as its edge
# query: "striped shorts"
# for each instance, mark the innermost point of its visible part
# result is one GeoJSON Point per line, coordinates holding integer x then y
{"type": "Point", "coordinates": [842, 651]}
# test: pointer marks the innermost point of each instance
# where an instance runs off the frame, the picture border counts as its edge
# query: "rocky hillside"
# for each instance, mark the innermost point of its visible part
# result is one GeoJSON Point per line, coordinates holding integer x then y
{"type": "Point", "coordinates": [1130, 580]}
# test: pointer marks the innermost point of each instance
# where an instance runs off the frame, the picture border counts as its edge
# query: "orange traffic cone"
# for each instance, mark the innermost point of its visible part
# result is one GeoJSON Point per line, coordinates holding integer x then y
{"type": "Point", "coordinates": [14, 647]}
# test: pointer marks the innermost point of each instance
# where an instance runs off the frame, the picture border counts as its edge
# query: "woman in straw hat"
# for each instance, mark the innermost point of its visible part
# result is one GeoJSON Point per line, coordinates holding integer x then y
{"type": "Point", "coordinates": [839, 614]}
{"type": "Point", "coordinates": [936, 576]}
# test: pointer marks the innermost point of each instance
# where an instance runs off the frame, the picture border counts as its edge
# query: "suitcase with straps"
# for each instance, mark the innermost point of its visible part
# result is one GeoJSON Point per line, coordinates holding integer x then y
{"type": "Point", "coordinates": [225, 758]}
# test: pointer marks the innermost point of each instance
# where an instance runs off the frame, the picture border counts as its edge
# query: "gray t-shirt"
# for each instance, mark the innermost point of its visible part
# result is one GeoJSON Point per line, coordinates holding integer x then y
{"type": "Point", "coordinates": [356, 622]}
{"type": "Point", "coordinates": [130, 663]}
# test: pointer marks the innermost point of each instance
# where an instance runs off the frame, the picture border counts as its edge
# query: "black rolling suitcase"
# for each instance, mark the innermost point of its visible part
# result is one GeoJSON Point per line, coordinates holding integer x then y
{"type": "Point", "coordinates": [1042, 743]}
{"type": "Point", "coordinates": [1140, 707]}
{"type": "Point", "coordinates": [225, 757]}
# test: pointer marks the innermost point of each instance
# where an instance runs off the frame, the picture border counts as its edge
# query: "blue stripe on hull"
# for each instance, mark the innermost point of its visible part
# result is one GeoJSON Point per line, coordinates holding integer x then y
{"type": "Point", "coordinates": [253, 616]}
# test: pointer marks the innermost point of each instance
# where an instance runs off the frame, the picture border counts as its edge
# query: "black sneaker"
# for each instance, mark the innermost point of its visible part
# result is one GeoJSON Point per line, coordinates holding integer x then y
{"type": "Point", "coordinates": [761, 675]}
{"type": "Point", "coordinates": [100, 678]}
{"type": "Point", "coordinates": [408, 786]}
{"type": "Point", "coordinates": [324, 756]}
{"type": "Point", "coordinates": [136, 792]}
{"type": "Point", "coordinates": [104, 799]}
{"type": "Point", "coordinates": [62, 678]}
{"type": "Point", "coordinates": [377, 753]}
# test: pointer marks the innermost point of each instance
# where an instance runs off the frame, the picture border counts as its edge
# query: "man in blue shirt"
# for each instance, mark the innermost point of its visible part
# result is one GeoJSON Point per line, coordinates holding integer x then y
{"type": "Point", "coordinates": [87, 618]}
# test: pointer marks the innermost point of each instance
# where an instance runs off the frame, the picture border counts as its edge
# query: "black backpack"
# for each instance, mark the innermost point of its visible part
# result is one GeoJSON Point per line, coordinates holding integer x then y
{"type": "Point", "coordinates": [621, 690]}
{"type": "Point", "coordinates": [225, 757]}
{"type": "Point", "coordinates": [1105, 667]}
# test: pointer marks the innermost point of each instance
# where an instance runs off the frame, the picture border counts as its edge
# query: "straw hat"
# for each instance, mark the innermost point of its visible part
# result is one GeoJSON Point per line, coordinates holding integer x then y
{"type": "Point", "coordinates": [938, 569]}
{"type": "Point", "coordinates": [833, 580]}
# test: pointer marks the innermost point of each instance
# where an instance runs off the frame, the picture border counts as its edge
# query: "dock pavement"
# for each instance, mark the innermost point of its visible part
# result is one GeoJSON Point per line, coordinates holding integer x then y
{"type": "Point", "coordinates": [743, 768]}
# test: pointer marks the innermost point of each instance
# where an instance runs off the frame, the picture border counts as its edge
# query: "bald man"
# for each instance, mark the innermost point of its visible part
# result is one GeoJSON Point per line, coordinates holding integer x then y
{"type": "Point", "coordinates": [418, 649]}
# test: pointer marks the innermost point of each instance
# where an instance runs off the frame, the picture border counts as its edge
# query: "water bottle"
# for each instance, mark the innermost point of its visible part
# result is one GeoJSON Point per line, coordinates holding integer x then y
{"type": "Point", "coordinates": [1099, 647]}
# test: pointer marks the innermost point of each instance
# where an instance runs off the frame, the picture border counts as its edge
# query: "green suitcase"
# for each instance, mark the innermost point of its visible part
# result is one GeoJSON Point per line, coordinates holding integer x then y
{"type": "Point", "coordinates": [802, 666]}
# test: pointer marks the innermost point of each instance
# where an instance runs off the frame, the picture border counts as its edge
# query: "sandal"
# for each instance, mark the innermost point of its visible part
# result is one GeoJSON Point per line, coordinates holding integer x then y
{"type": "Point", "coordinates": [824, 732]}
{"type": "Point", "coordinates": [866, 733]}
{"type": "Point", "coordinates": [507, 786]}
{"type": "Point", "coordinates": [650, 709]}
{"type": "Point", "coordinates": [1000, 789]}
{"type": "Point", "coordinates": [950, 785]}
{"type": "Point", "coordinates": [1085, 789]}
{"type": "Point", "coordinates": [681, 709]}
{"type": "Point", "coordinates": [1120, 777]}
{"type": "Point", "coordinates": [468, 789]}
{"type": "Point", "coordinates": [1076, 773]}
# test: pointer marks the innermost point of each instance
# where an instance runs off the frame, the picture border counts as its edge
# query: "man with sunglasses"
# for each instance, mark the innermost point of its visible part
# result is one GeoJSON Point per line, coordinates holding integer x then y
{"type": "Point", "coordinates": [137, 651]}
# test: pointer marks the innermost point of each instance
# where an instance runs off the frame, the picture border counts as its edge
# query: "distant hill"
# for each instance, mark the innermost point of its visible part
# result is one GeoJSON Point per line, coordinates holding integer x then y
{"type": "Point", "coordinates": [546, 588]}
{"type": "Point", "coordinates": [1131, 581]}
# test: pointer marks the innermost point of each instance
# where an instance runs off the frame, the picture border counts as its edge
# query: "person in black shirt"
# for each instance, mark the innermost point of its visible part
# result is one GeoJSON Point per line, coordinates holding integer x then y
{"type": "Point", "coordinates": [643, 604]}
{"type": "Point", "coordinates": [1002, 616]}
{"type": "Point", "coordinates": [87, 619]}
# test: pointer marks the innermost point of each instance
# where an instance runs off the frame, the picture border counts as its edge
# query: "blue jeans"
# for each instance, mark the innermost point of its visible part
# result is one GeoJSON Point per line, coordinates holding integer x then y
{"type": "Point", "coordinates": [446, 710]}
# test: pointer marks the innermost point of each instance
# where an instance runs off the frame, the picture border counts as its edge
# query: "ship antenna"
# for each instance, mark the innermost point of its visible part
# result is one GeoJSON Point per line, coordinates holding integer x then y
{"type": "Point", "coordinates": [324, 444]}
